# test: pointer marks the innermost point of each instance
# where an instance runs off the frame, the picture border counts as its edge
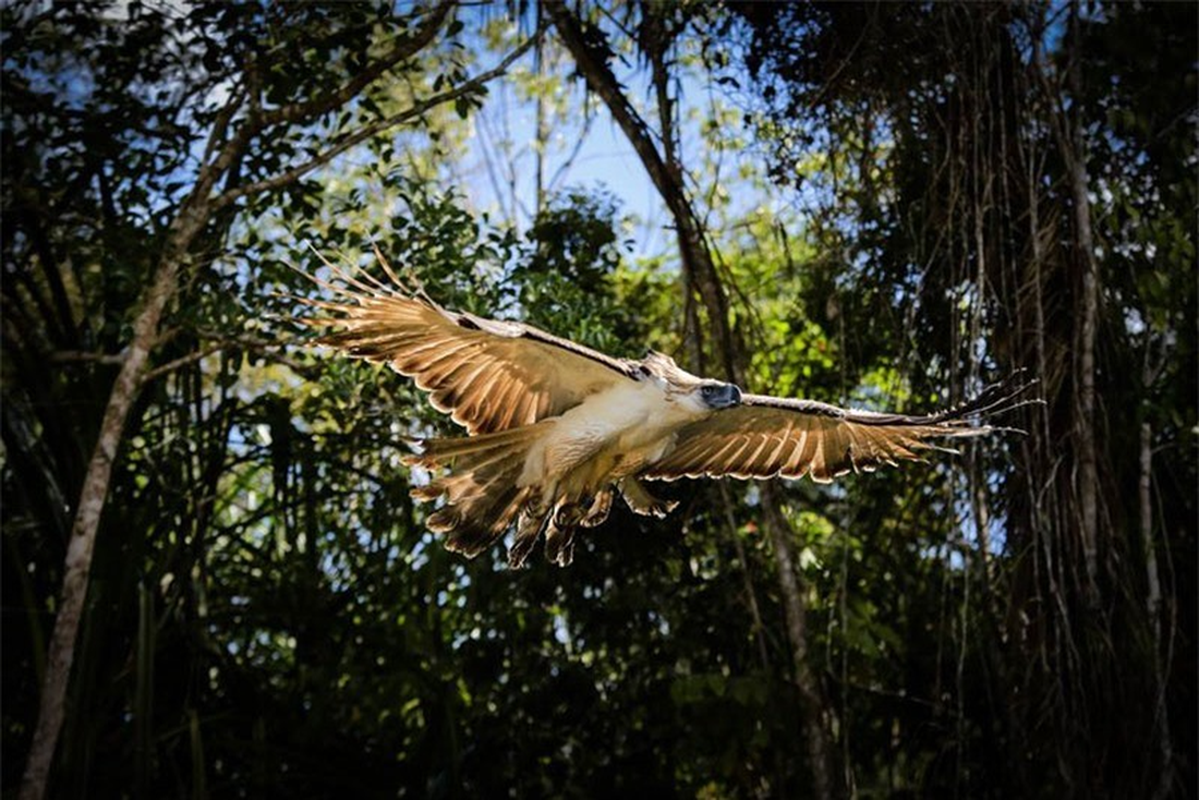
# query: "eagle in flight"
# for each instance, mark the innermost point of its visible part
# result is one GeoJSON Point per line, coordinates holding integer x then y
{"type": "Point", "coordinates": [556, 430]}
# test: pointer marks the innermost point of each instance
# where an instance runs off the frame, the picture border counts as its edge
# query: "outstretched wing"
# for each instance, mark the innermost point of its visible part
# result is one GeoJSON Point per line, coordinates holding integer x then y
{"type": "Point", "coordinates": [489, 375]}
{"type": "Point", "coordinates": [766, 437]}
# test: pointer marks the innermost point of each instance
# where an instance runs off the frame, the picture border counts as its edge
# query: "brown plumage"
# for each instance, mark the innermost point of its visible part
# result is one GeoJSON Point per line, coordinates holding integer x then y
{"type": "Point", "coordinates": [556, 430]}
{"type": "Point", "coordinates": [768, 437]}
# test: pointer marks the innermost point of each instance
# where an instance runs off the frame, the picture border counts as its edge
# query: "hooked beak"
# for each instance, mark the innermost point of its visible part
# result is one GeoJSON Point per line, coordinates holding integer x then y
{"type": "Point", "coordinates": [721, 395]}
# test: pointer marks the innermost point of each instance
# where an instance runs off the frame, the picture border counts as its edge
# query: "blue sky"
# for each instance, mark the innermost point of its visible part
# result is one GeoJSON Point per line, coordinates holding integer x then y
{"type": "Point", "coordinates": [604, 157]}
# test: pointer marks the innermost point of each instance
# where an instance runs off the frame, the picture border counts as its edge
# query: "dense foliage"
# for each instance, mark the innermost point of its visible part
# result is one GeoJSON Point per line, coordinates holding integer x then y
{"type": "Point", "coordinates": [266, 613]}
{"type": "Point", "coordinates": [968, 148]}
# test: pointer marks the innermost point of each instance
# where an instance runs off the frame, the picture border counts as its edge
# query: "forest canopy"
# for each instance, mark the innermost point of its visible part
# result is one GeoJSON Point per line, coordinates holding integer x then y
{"type": "Point", "coordinates": [215, 582]}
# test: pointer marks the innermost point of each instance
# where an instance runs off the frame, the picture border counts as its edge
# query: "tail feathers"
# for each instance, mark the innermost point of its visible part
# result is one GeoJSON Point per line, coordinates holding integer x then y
{"type": "Point", "coordinates": [533, 521]}
{"type": "Point", "coordinates": [473, 452]}
{"type": "Point", "coordinates": [456, 489]}
{"type": "Point", "coordinates": [473, 527]}
{"type": "Point", "coordinates": [482, 498]}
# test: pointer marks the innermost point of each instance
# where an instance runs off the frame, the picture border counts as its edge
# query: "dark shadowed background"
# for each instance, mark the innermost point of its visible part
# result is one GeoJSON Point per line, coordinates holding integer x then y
{"type": "Point", "coordinates": [215, 584]}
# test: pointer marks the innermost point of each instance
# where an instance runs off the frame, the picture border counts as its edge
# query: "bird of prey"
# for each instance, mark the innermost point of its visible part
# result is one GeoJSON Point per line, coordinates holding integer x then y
{"type": "Point", "coordinates": [556, 430]}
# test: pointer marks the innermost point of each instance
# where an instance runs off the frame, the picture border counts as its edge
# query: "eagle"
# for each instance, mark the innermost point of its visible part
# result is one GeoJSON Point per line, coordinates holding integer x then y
{"type": "Point", "coordinates": [556, 430]}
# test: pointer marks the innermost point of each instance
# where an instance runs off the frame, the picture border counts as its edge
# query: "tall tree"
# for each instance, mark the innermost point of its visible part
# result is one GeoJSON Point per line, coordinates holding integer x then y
{"type": "Point", "coordinates": [992, 128]}
{"type": "Point", "coordinates": [591, 53]}
{"type": "Point", "coordinates": [267, 74]}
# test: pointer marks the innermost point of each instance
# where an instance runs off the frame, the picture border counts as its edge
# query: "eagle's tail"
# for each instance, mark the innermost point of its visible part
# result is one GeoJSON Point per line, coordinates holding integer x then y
{"type": "Point", "coordinates": [482, 496]}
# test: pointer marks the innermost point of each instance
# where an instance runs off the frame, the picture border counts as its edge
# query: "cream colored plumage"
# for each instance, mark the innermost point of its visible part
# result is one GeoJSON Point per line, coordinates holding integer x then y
{"type": "Point", "coordinates": [556, 430]}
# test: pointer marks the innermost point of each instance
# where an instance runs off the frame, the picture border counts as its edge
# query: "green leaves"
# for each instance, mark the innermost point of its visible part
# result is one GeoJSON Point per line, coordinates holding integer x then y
{"type": "Point", "coordinates": [269, 612]}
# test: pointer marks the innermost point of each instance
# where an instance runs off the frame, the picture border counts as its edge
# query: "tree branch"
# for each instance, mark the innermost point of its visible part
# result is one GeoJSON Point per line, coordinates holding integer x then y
{"type": "Point", "coordinates": [191, 220]}
{"type": "Point", "coordinates": [362, 134]}
{"type": "Point", "coordinates": [592, 60]}
{"type": "Point", "coordinates": [591, 53]}
{"type": "Point", "coordinates": [75, 356]}
{"type": "Point", "coordinates": [404, 49]}
{"type": "Point", "coordinates": [220, 343]}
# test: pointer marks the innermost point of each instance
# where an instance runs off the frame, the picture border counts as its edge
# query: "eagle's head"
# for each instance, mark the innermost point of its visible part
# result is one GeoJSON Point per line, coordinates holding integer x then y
{"type": "Point", "coordinates": [680, 385]}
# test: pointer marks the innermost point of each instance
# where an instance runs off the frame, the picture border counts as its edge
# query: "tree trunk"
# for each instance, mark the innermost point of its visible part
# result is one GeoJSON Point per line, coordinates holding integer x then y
{"type": "Point", "coordinates": [795, 610]}
{"type": "Point", "coordinates": [1153, 600]}
{"type": "Point", "coordinates": [699, 271]}
{"type": "Point", "coordinates": [698, 267]}
{"type": "Point", "coordinates": [191, 220]}
{"type": "Point", "coordinates": [1088, 470]}
{"type": "Point", "coordinates": [92, 498]}
{"type": "Point", "coordinates": [1067, 127]}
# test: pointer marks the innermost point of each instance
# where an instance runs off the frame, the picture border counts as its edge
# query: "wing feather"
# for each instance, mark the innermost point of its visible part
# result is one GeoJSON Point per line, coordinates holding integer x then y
{"type": "Point", "coordinates": [768, 436]}
{"type": "Point", "coordinates": [749, 460]}
{"type": "Point", "coordinates": [795, 466]}
{"type": "Point", "coordinates": [818, 468]}
{"type": "Point", "coordinates": [489, 375]}
{"type": "Point", "coordinates": [807, 451]}
{"type": "Point", "coordinates": [708, 459]}
{"type": "Point", "coordinates": [774, 459]}
{"type": "Point", "coordinates": [456, 385]}
{"type": "Point", "coordinates": [483, 387]}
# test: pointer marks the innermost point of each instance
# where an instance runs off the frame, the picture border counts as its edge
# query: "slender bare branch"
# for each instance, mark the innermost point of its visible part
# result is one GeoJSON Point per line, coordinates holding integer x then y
{"type": "Point", "coordinates": [405, 47]}
{"type": "Point", "coordinates": [693, 249]}
{"type": "Point", "coordinates": [365, 132]}
{"type": "Point", "coordinates": [74, 356]}
{"type": "Point", "coordinates": [191, 220]}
